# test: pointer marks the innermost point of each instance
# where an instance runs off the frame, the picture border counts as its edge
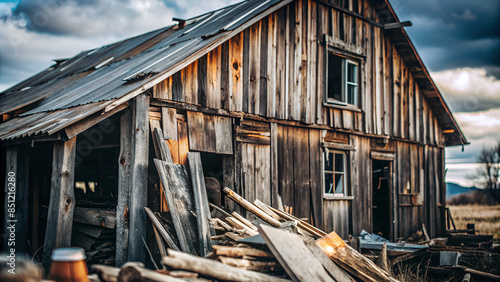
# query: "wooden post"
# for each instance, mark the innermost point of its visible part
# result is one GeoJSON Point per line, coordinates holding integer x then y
{"type": "Point", "coordinates": [139, 179]}
{"type": "Point", "coordinates": [124, 187]}
{"type": "Point", "coordinates": [16, 199]}
{"type": "Point", "coordinates": [62, 199]}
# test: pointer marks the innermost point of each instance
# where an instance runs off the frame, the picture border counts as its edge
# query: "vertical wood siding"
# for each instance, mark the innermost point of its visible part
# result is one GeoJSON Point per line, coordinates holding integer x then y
{"type": "Point", "coordinates": [276, 69]}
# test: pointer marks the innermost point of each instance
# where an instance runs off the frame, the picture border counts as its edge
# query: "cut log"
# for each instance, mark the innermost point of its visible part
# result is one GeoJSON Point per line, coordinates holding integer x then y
{"type": "Point", "coordinates": [177, 191]}
{"type": "Point", "coordinates": [200, 203]}
{"type": "Point", "coordinates": [350, 260]}
{"type": "Point", "coordinates": [106, 273]}
{"type": "Point", "coordinates": [240, 252]}
{"type": "Point", "coordinates": [131, 272]}
{"type": "Point", "coordinates": [293, 255]}
{"type": "Point", "coordinates": [250, 207]}
{"type": "Point", "coordinates": [215, 269]}
{"type": "Point", "coordinates": [260, 266]}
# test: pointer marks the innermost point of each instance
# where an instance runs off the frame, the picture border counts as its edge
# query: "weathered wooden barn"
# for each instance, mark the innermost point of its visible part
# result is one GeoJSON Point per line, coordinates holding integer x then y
{"type": "Point", "coordinates": [324, 103]}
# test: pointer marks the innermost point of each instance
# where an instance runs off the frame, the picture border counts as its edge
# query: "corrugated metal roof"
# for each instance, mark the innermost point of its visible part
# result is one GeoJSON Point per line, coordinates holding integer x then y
{"type": "Point", "coordinates": [98, 75]}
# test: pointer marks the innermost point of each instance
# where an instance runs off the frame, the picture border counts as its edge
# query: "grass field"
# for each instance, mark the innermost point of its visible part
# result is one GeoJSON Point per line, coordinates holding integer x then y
{"type": "Point", "coordinates": [486, 218]}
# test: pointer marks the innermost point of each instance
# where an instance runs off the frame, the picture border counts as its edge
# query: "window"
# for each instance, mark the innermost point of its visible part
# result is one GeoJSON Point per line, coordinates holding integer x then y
{"type": "Point", "coordinates": [335, 172]}
{"type": "Point", "coordinates": [342, 80]}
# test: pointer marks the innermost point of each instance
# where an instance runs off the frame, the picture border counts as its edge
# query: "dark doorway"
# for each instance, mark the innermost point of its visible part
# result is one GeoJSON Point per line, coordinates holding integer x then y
{"type": "Point", "coordinates": [381, 201]}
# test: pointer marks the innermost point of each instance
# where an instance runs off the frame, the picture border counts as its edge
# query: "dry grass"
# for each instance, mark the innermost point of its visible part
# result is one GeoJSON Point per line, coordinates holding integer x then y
{"type": "Point", "coordinates": [486, 218]}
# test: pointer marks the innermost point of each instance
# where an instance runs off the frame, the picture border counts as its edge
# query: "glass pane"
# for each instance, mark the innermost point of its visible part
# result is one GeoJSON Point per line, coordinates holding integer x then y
{"type": "Point", "coordinates": [351, 94]}
{"type": "Point", "coordinates": [328, 183]}
{"type": "Point", "coordinates": [334, 77]}
{"type": "Point", "coordinates": [352, 73]}
{"type": "Point", "coordinates": [339, 162]}
{"type": "Point", "coordinates": [329, 162]}
{"type": "Point", "coordinates": [339, 184]}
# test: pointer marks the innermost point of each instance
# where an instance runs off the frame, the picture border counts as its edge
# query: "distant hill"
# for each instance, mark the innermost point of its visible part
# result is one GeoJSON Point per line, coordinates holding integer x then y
{"type": "Point", "coordinates": [453, 189]}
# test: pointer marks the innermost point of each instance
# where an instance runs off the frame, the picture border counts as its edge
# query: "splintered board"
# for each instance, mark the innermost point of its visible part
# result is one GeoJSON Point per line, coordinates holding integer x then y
{"type": "Point", "coordinates": [293, 255]}
{"type": "Point", "coordinates": [177, 189]}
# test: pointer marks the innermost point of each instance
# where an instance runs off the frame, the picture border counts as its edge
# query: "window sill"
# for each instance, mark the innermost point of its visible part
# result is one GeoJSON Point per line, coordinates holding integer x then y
{"type": "Point", "coordinates": [334, 197]}
{"type": "Point", "coordinates": [343, 107]}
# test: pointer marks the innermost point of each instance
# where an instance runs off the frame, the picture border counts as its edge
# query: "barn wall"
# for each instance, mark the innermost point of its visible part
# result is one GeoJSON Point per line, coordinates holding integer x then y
{"type": "Point", "coordinates": [275, 71]}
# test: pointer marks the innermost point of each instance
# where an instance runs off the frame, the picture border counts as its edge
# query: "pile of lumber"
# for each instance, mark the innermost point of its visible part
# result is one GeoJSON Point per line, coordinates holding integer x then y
{"type": "Point", "coordinates": [275, 247]}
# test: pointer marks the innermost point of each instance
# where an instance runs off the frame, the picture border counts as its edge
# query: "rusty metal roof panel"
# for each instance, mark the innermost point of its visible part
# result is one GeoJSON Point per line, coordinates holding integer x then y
{"type": "Point", "coordinates": [103, 74]}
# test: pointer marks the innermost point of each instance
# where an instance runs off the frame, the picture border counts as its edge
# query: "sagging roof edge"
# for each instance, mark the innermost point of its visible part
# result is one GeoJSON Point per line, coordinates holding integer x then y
{"type": "Point", "coordinates": [463, 139]}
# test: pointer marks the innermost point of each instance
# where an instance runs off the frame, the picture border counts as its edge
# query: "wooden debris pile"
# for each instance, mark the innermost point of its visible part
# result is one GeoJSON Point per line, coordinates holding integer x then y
{"type": "Point", "coordinates": [97, 241]}
{"type": "Point", "coordinates": [275, 247]}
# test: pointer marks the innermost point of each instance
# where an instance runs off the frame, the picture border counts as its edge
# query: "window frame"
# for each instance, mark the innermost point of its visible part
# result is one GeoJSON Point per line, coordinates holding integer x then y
{"type": "Point", "coordinates": [344, 82]}
{"type": "Point", "coordinates": [346, 173]}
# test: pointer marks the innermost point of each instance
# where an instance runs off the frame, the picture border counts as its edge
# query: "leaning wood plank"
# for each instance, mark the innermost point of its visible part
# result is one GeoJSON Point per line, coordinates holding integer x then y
{"type": "Point", "coordinates": [200, 203]}
{"type": "Point", "coordinates": [159, 242]}
{"type": "Point", "coordinates": [293, 255]}
{"type": "Point", "coordinates": [245, 221]}
{"type": "Point", "coordinates": [239, 252]}
{"type": "Point", "coordinates": [350, 260]}
{"type": "Point", "coordinates": [161, 229]}
{"type": "Point", "coordinates": [300, 223]}
{"type": "Point", "coordinates": [250, 207]}
{"type": "Point", "coordinates": [163, 146]}
{"type": "Point", "coordinates": [133, 272]}
{"type": "Point", "coordinates": [335, 271]}
{"type": "Point", "coordinates": [265, 209]}
{"type": "Point", "coordinates": [223, 212]}
{"type": "Point", "coordinates": [241, 226]}
{"type": "Point", "coordinates": [62, 199]}
{"type": "Point", "coordinates": [177, 191]}
{"type": "Point", "coordinates": [215, 269]}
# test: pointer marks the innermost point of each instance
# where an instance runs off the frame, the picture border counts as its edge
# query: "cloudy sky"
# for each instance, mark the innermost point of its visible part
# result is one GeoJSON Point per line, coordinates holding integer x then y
{"type": "Point", "coordinates": [459, 41]}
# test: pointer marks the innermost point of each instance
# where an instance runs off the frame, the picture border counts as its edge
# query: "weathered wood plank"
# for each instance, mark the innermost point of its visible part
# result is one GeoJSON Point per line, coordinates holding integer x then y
{"type": "Point", "coordinates": [223, 135]}
{"type": "Point", "coordinates": [191, 83]}
{"type": "Point", "coordinates": [254, 69]}
{"type": "Point", "coordinates": [200, 203]}
{"type": "Point", "coordinates": [139, 179]}
{"type": "Point", "coordinates": [195, 124]}
{"type": "Point", "coordinates": [213, 91]}
{"type": "Point", "coordinates": [271, 75]}
{"type": "Point", "coordinates": [62, 199]}
{"type": "Point", "coordinates": [235, 72]}
{"type": "Point", "coordinates": [180, 201]}
{"type": "Point", "coordinates": [215, 269]}
{"type": "Point", "coordinates": [289, 249]}
{"type": "Point", "coordinates": [315, 176]}
{"type": "Point", "coordinates": [274, 165]}
{"type": "Point", "coordinates": [169, 123]}
{"type": "Point", "coordinates": [163, 232]}
{"type": "Point", "coordinates": [124, 187]}
{"type": "Point", "coordinates": [162, 145]}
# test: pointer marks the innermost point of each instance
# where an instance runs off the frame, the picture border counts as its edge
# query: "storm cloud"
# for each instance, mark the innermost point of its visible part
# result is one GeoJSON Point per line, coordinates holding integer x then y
{"type": "Point", "coordinates": [452, 34]}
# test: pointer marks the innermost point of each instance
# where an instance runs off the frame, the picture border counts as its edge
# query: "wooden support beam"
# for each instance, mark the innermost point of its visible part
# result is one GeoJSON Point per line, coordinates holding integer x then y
{"type": "Point", "coordinates": [124, 187]}
{"type": "Point", "coordinates": [62, 199]}
{"type": "Point", "coordinates": [79, 127]}
{"type": "Point", "coordinates": [139, 179]}
{"type": "Point", "coordinates": [16, 196]}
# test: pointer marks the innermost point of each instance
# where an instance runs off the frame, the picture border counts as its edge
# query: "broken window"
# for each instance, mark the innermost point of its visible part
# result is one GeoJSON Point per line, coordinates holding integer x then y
{"type": "Point", "coordinates": [335, 172]}
{"type": "Point", "coordinates": [342, 80]}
